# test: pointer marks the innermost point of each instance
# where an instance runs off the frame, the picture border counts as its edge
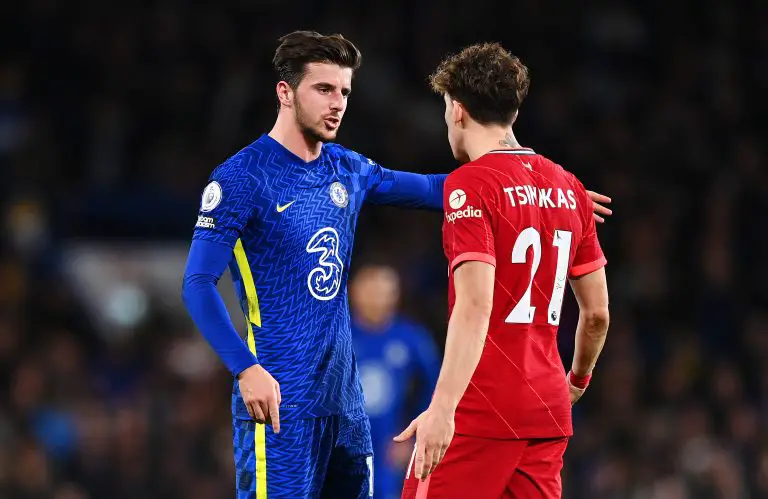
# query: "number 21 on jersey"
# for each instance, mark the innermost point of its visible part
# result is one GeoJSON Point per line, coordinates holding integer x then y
{"type": "Point", "coordinates": [530, 237]}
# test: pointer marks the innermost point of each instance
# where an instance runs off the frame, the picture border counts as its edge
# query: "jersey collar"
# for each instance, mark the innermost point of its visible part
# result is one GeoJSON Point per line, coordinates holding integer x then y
{"type": "Point", "coordinates": [525, 151]}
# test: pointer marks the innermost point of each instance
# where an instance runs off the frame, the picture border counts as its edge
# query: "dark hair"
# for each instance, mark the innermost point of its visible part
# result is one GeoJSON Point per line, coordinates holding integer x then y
{"type": "Point", "coordinates": [300, 48]}
{"type": "Point", "coordinates": [487, 80]}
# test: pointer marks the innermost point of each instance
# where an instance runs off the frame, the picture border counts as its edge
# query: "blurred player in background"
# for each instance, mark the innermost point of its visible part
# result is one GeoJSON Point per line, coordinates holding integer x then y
{"type": "Point", "coordinates": [516, 227]}
{"type": "Point", "coordinates": [392, 354]}
{"type": "Point", "coordinates": [281, 213]}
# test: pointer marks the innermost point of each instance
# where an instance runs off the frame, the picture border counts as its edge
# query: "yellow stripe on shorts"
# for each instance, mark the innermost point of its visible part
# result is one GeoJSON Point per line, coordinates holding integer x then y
{"type": "Point", "coordinates": [254, 317]}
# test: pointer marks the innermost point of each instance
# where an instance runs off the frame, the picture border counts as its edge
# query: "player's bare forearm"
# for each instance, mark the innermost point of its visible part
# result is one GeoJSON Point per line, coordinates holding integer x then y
{"type": "Point", "coordinates": [590, 338]}
{"type": "Point", "coordinates": [467, 330]}
{"type": "Point", "coordinates": [592, 294]}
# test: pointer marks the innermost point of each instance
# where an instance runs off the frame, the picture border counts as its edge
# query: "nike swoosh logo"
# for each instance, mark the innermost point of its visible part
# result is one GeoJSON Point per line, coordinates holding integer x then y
{"type": "Point", "coordinates": [281, 209]}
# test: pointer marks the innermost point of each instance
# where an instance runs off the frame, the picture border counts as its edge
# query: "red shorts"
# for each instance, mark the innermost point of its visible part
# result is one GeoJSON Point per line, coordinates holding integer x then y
{"type": "Point", "coordinates": [483, 468]}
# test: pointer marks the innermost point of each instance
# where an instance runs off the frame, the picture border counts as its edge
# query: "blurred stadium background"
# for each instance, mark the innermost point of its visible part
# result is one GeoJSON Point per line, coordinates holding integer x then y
{"type": "Point", "coordinates": [112, 115]}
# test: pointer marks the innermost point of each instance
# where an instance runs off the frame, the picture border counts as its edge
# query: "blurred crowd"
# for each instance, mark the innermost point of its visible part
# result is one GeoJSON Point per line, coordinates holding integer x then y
{"type": "Point", "coordinates": [112, 115]}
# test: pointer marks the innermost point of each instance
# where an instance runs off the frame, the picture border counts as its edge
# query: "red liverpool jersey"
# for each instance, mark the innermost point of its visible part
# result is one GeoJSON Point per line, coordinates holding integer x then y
{"type": "Point", "coordinates": [532, 220]}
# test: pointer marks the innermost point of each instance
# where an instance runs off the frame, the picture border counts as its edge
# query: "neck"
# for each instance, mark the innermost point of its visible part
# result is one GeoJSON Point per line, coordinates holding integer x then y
{"type": "Point", "coordinates": [374, 321]}
{"type": "Point", "coordinates": [286, 131]}
{"type": "Point", "coordinates": [482, 140]}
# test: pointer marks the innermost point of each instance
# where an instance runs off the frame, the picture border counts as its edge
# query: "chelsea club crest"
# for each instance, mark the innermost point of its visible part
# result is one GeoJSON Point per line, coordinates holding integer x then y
{"type": "Point", "coordinates": [339, 195]}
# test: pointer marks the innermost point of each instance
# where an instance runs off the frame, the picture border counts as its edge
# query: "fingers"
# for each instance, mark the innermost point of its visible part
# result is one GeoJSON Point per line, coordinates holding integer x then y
{"type": "Point", "coordinates": [250, 410]}
{"type": "Point", "coordinates": [576, 393]}
{"type": "Point", "coordinates": [258, 411]}
{"type": "Point", "coordinates": [599, 198]}
{"type": "Point", "coordinates": [603, 210]}
{"type": "Point", "coordinates": [598, 218]}
{"type": "Point", "coordinates": [443, 450]}
{"type": "Point", "coordinates": [279, 396]}
{"type": "Point", "coordinates": [428, 464]}
{"type": "Point", "coordinates": [407, 433]}
{"type": "Point", "coordinates": [436, 451]}
{"type": "Point", "coordinates": [597, 208]}
{"type": "Point", "coordinates": [274, 415]}
{"type": "Point", "coordinates": [419, 467]}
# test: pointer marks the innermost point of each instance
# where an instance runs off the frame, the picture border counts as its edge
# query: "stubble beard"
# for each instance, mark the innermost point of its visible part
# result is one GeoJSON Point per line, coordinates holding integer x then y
{"type": "Point", "coordinates": [313, 132]}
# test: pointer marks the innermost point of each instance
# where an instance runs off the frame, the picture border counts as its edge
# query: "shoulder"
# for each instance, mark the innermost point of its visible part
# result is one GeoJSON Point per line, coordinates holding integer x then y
{"type": "Point", "coordinates": [474, 177]}
{"type": "Point", "coordinates": [572, 180]}
{"type": "Point", "coordinates": [251, 166]}
{"type": "Point", "coordinates": [559, 170]}
{"type": "Point", "coordinates": [243, 160]}
{"type": "Point", "coordinates": [575, 187]}
{"type": "Point", "coordinates": [336, 150]}
{"type": "Point", "coordinates": [238, 177]}
{"type": "Point", "coordinates": [234, 169]}
{"type": "Point", "coordinates": [353, 160]}
{"type": "Point", "coordinates": [481, 170]}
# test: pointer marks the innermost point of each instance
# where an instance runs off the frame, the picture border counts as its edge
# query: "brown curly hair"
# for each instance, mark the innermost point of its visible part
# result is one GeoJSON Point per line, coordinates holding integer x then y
{"type": "Point", "coordinates": [486, 79]}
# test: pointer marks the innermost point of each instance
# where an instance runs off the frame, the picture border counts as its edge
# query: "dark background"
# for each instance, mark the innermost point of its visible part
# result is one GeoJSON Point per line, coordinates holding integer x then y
{"type": "Point", "coordinates": [112, 115]}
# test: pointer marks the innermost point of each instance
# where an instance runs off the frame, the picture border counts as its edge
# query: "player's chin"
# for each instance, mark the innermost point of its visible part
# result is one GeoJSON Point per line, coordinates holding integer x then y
{"type": "Point", "coordinates": [328, 133]}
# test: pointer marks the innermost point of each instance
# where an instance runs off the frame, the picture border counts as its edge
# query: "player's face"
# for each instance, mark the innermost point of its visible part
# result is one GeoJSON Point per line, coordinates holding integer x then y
{"type": "Point", "coordinates": [453, 115]}
{"type": "Point", "coordinates": [321, 99]}
{"type": "Point", "coordinates": [375, 292]}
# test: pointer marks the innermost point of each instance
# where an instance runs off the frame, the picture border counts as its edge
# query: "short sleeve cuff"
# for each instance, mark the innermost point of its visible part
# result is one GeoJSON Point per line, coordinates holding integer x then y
{"type": "Point", "coordinates": [474, 256]}
{"type": "Point", "coordinates": [588, 268]}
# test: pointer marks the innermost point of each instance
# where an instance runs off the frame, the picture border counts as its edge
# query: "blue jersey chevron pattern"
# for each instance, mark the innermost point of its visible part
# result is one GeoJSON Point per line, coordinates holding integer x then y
{"type": "Point", "coordinates": [295, 222]}
{"type": "Point", "coordinates": [328, 457]}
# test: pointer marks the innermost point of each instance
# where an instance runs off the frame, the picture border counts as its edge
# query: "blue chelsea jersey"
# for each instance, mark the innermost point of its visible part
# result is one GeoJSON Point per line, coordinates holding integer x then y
{"type": "Point", "coordinates": [291, 225]}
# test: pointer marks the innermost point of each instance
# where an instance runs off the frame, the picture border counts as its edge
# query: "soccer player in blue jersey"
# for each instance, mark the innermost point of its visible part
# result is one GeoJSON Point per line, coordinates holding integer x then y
{"type": "Point", "coordinates": [393, 354]}
{"type": "Point", "coordinates": [281, 214]}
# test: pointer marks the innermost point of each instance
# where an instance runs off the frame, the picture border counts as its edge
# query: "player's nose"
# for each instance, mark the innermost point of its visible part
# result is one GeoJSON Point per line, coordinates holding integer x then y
{"type": "Point", "coordinates": [337, 102]}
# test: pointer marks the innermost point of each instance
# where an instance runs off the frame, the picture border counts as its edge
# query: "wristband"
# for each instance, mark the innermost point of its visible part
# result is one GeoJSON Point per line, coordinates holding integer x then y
{"type": "Point", "coordinates": [580, 382]}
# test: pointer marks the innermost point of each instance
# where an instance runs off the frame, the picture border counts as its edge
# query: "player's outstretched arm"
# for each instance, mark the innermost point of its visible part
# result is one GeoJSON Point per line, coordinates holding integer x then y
{"type": "Point", "coordinates": [467, 329]}
{"type": "Point", "coordinates": [591, 292]}
{"type": "Point", "coordinates": [407, 190]}
{"type": "Point", "coordinates": [413, 190]}
{"type": "Point", "coordinates": [397, 188]}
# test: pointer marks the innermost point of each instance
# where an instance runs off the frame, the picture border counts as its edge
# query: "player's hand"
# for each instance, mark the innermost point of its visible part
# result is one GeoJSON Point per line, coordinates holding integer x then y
{"type": "Point", "coordinates": [575, 392]}
{"type": "Point", "coordinates": [598, 208]}
{"type": "Point", "coordinates": [261, 394]}
{"type": "Point", "coordinates": [434, 432]}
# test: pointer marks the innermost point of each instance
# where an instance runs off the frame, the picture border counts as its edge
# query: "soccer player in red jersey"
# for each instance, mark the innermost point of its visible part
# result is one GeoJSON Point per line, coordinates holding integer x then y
{"type": "Point", "coordinates": [516, 227]}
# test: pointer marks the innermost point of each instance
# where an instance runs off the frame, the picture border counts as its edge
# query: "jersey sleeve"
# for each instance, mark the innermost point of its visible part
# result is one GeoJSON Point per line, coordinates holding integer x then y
{"type": "Point", "coordinates": [228, 202]}
{"type": "Point", "coordinates": [467, 228]}
{"type": "Point", "coordinates": [589, 255]}
{"type": "Point", "coordinates": [205, 265]}
{"type": "Point", "coordinates": [383, 186]}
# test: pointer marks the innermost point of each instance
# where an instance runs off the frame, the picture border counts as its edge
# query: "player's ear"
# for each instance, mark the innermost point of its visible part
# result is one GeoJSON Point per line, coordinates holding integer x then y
{"type": "Point", "coordinates": [458, 113]}
{"type": "Point", "coordinates": [284, 94]}
{"type": "Point", "coordinates": [514, 117]}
